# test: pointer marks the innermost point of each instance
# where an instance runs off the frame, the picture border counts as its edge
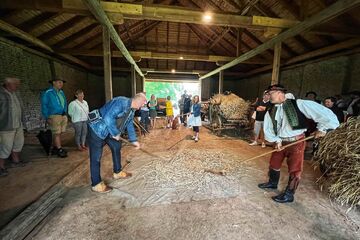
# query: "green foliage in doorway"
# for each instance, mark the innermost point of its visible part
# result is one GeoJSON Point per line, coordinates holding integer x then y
{"type": "Point", "coordinates": [172, 89]}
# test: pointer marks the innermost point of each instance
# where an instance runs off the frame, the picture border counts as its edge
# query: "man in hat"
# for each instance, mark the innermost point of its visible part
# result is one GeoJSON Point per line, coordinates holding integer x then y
{"type": "Point", "coordinates": [105, 127]}
{"type": "Point", "coordinates": [284, 123]}
{"type": "Point", "coordinates": [11, 127]}
{"type": "Point", "coordinates": [54, 108]}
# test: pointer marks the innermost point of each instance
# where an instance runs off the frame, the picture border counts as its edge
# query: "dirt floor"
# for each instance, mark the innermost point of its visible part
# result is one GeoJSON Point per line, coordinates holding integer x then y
{"type": "Point", "coordinates": [174, 194]}
{"type": "Point", "coordinates": [25, 184]}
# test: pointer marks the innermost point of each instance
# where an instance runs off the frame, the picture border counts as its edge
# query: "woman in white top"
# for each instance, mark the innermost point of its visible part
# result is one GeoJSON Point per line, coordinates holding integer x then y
{"type": "Point", "coordinates": [78, 111]}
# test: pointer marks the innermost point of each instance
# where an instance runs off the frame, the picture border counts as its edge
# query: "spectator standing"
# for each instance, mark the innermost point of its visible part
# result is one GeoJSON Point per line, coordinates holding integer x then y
{"type": "Point", "coordinates": [152, 110]}
{"type": "Point", "coordinates": [261, 107]}
{"type": "Point", "coordinates": [54, 108]}
{"type": "Point", "coordinates": [195, 118]}
{"type": "Point", "coordinates": [11, 127]}
{"type": "Point", "coordinates": [78, 111]}
{"type": "Point", "coordinates": [169, 112]}
{"type": "Point", "coordinates": [329, 102]}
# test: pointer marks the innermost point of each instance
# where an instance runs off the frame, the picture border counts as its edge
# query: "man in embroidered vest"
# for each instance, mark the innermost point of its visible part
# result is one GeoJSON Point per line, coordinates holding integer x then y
{"type": "Point", "coordinates": [105, 127]}
{"type": "Point", "coordinates": [284, 123]}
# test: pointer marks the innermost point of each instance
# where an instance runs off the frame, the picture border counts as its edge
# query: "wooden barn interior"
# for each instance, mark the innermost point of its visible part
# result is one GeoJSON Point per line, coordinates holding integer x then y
{"type": "Point", "coordinates": [180, 189]}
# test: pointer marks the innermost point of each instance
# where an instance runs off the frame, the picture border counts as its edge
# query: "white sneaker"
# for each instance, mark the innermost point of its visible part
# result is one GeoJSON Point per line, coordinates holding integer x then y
{"type": "Point", "coordinates": [196, 139]}
{"type": "Point", "coordinates": [254, 143]}
{"type": "Point", "coordinates": [193, 138]}
{"type": "Point", "coordinates": [263, 145]}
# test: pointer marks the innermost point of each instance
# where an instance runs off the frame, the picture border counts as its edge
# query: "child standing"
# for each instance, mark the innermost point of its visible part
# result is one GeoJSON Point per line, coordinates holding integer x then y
{"type": "Point", "coordinates": [169, 112]}
{"type": "Point", "coordinates": [195, 117]}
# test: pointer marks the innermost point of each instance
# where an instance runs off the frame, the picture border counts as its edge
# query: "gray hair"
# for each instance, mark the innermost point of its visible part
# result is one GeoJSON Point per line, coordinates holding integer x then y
{"type": "Point", "coordinates": [11, 80]}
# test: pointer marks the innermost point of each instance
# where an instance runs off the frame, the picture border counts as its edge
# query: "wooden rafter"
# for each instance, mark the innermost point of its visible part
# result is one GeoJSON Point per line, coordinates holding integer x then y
{"type": "Point", "coordinates": [285, 47]}
{"type": "Point", "coordinates": [62, 27]}
{"type": "Point", "coordinates": [32, 28]}
{"type": "Point", "coordinates": [325, 15]}
{"type": "Point", "coordinates": [306, 56]}
{"type": "Point", "coordinates": [76, 35]}
{"type": "Point", "coordinates": [27, 37]}
{"type": "Point", "coordinates": [199, 36]}
{"type": "Point", "coordinates": [36, 21]}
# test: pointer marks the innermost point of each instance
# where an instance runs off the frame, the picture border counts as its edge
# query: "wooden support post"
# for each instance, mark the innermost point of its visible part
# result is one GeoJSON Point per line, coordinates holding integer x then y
{"type": "Point", "coordinates": [221, 81]}
{"type": "Point", "coordinates": [276, 64]}
{"type": "Point", "coordinates": [133, 81]}
{"type": "Point", "coordinates": [238, 41]}
{"type": "Point", "coordinates": [143, 84]}
{"type": "Point", "coordinates": [107, 65]}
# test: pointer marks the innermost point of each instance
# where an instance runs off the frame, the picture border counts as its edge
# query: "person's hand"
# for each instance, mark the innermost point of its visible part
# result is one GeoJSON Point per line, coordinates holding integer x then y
{"type": "Point", "coordinates": [48, 120]}
{"type": "Point", "coordinates": [279, 147]}
{"type": "Point", "coordinates": [136, 145]}
{"type": "Point", "coordinates": [117, 137]}
{"type": "Point", "coordinates": [319, 134]}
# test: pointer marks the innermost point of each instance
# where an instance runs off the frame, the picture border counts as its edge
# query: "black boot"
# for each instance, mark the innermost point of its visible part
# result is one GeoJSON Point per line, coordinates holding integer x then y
{"type": "Point", "coordinates": [286, 196]}
{"type": "Point", "coordinates": [61, 153]}
{"type": "Point", "coordinates": [274, 177]}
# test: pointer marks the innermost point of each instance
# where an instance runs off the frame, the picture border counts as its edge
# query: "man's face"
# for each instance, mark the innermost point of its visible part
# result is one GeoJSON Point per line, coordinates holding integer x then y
{"type": "Point", "coordinates": [266, 97]}
{"type": "Point", "coordinates": [12, 86]}
{"type": "Point", "coordinates": [139, 102]}
{"type": "Point", "coordinates": [80, 96]}
{"type": "Point", "coordinates": [310, 96]}
{"type": "Point", "coordinates": [276, 96]}
{"type": "Point", "coordinates": [58, 84]}
{"type": "Point", "coordinates": [328, 103]}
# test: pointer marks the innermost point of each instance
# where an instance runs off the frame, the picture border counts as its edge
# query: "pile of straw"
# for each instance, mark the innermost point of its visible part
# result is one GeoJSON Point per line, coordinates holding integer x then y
{"type": "Point", "coordinates": [231, 106]}
{"type": "Point", "coordinates": [339, 157]}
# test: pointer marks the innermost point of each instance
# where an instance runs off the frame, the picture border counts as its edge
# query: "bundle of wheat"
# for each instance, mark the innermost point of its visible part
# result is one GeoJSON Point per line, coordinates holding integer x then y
{"type": "Point", "coordinates": [339, 157]}
{"type": "Point", "coordinates": [232, 106]}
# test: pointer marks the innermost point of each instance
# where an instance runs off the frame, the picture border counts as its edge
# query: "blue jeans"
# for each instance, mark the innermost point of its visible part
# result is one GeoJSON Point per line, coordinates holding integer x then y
{"type": "Point", "coordinates": [96, 145]}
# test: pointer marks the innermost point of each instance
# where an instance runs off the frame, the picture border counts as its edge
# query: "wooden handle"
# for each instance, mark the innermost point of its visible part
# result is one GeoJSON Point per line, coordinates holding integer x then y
{"type": "Point", "coordinates": [275, 150]}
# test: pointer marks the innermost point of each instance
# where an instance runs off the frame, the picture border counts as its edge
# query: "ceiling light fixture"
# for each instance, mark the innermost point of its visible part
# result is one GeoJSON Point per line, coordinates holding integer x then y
{"type": "Point", "coordinates": [207, 17]}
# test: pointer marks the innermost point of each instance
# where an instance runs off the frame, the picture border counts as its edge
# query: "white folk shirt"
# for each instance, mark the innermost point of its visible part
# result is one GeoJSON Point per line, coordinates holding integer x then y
{"type": "Point", "coordinates": [78, 111]}
{"type": "Point", "coordinates": [323, 116]}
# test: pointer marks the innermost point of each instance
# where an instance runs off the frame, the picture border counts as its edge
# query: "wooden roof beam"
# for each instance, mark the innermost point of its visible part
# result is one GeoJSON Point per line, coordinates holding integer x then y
{"type": "Point", "coordinates": [160, 55]}
{"type": "Point", "coordinates": [325, 15]}
{"type": "Point", "coordinates": [75, 36]}
{"type": "Point", "coordinates": [62, 27]}
{"type": "Point", "coordinates": [98, 11]}
{"type": "Point", "coordinates": [151, 12]}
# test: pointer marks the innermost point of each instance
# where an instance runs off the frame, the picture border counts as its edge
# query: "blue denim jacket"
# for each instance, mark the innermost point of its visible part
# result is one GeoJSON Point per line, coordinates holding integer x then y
{"type": "Point", "coordinates": [114, 109]}
{"type": "Point", "coordinates": [196, 109]}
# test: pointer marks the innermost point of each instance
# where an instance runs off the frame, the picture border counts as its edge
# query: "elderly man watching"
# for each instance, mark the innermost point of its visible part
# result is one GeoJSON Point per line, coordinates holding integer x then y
{"type": "Point", "coordinates": [11, 128]}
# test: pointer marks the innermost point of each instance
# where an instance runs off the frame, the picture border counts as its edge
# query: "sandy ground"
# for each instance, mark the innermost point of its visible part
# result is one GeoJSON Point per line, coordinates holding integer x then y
{"type": "Point", "coordinates": [172, 197]}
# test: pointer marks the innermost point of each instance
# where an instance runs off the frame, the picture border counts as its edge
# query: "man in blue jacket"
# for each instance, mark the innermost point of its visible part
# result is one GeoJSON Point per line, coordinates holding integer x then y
{"type": "Point", "coordinates": [105, 127]}
{"type": "Point", "coordinates": [54, 108]}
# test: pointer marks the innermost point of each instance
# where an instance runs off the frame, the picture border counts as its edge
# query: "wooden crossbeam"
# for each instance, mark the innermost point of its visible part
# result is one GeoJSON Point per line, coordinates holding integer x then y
{"type": "Point", "coordinates": [160, 55]}
{"type": "Point", "coordinates": [151, 12]}
{"type": "Point", "coordinates": [321, 17]}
